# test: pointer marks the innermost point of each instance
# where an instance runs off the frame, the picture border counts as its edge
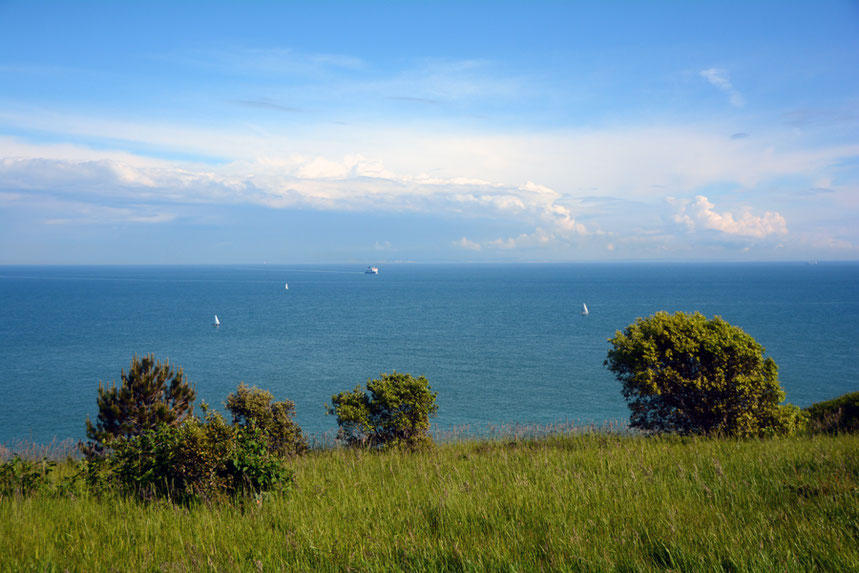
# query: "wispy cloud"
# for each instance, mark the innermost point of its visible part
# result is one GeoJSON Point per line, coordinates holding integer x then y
{"type": "Point", "coordinates": [86, 214]}
{"type": "Point", "coordinates": [465, 243]}
{"type": "Point", "coordinates": [525, 240]}
{"type": "Point", "coordinates": [805, 117]}
{"type": "Point", "coordinates": [253, 61]}
{"type": "Point", "coordinates": [266, 104]}
{"type": "Point", "coordinates": [412, 99]}
{"type": "Point", "coordinates": [719, 78]}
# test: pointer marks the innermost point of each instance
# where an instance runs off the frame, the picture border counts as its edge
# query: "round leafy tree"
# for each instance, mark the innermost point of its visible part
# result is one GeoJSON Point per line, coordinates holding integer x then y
{"type": "Point", "coordinates": [686, 374]}
{"type": "Point", "coordinates": [394, 411]}
{"type": "Point", "coordinates": [253, 408]}
{"type": "Point", "coordinates": [151, 394]}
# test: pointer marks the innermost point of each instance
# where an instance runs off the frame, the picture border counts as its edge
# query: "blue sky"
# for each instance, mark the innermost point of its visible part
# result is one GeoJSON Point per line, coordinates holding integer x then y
{"type": "Point", "coordinates": [373, 132]}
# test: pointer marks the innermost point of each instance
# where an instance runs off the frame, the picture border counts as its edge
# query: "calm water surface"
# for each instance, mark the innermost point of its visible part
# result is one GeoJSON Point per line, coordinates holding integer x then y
{"type": "Point", "coordinates": [500, 343]}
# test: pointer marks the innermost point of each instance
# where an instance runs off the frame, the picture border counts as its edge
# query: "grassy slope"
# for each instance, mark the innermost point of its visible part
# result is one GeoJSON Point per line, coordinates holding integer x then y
{"type": "Point", "coordinates": [591, 502]}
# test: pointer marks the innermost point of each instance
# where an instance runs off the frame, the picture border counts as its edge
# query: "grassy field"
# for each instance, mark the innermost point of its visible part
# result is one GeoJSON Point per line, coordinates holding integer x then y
{"type": "Point", "coordinates": [593, 502]}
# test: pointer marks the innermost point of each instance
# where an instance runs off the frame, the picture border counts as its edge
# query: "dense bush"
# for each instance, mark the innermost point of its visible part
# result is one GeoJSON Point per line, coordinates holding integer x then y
{"type": "Point", "coordinates": [148, 442]}
{"type": "Point", "coordinates": [253, 408]}
{"type": "Point", "coordinates": [684, 373]}
{"type": "Point", "coordinates": [151, 394]}
{"type": "Point", "coordinates": [393, 412]}
{"type": "Point", "coordinates": [198, 460]}
{"type": "Point", "coordinates": [837, 415]}
{"type": "Point", "coordinates": [19, 477]}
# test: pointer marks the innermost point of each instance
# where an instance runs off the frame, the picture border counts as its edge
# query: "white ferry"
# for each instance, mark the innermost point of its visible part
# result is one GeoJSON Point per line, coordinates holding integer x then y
{"type": "Point", "coordinates": [372, 271]}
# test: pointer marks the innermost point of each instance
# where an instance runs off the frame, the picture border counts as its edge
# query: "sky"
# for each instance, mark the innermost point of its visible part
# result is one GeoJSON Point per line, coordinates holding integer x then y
{"type": "Point", "coordinates": [372, 132]}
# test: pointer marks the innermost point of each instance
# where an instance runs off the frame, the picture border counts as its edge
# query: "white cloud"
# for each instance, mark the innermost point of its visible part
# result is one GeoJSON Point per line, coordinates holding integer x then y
{"type": "Point", "coordinates": [538, 238]}
{"type": "Point", "coordinates": [529, 180]}
{"type": "Point", "coordinates": [353, 183]}
{"type": "Point", "coordinates": [6, 197]}
{"type": "Point", "coordinates": [621, 162]}
{"type": "Point", "coordinates": [699, 214]}
{"type": "Point", "coordinates": [464, 243]}
{"type": "Point", "coordinates": [719, 79]}
{"type": "Point", "coordinates": [276, 61]}
{"type": "Point", "coordinates": [82, 214]}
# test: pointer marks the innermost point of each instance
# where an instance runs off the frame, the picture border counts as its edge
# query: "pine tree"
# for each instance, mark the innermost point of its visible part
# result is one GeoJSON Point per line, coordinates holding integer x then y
{"type": "Point", "coordinates": [151, 394]}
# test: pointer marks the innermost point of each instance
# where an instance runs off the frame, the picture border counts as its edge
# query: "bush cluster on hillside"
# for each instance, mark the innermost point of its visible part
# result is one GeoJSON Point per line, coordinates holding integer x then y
{"type": "Point", "coordinates": [147, 441]}
{"type": "Point", "coordinates": [680, 373]}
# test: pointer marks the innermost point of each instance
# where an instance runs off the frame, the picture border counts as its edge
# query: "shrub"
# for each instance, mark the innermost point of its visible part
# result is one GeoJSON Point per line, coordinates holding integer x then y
{"type": "Point", "coordinates": [151, 394]}
{"type": "Point", "coordinates": [253, 408]}
{"type": "Point", "coordinates": [148, 442]}
{"type": "Point", "coordinates": [19, 477]}
{"type": "Point", "coordinates": [837, 415]}
{"type": "Point", "coordinates": [393, 412]}
{"type": "Point", "coordinates": [199, 460]}
{"type": "Point", "coordinates": [684, 373]}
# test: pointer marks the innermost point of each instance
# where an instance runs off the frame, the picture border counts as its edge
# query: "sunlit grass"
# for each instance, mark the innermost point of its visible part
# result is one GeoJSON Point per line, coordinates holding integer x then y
{"type": "Point", "coordinates": [588, 502]}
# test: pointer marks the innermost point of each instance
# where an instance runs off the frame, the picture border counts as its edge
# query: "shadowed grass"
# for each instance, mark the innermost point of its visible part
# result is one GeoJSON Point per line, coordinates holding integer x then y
{"type": "Point", "coordinates": [588, 502]}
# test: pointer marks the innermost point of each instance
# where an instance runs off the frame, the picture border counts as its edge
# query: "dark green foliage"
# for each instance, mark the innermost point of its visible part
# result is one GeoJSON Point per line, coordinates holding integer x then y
{"type": "Point", "coordinates": [252, 408]}
{"type": "Point", "coordinates": [149, 443]}
{"type": "Point", "coordinates": [198, 460]}
{"type": "Point", "coordinates": [837, 415]}
{"type": "Point", "coordinates": [151, 394]}
{"type": "Point", "coordinates": [393, 412]}
{"type": "Point", "coordinates": [684, 373]}
{"type": "Point", "coordinates": [20, 477]}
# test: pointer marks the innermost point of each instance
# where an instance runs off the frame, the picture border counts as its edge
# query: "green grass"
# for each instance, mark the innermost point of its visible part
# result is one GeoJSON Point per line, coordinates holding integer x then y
{"type": "Point", "coordinates": [596, 502]}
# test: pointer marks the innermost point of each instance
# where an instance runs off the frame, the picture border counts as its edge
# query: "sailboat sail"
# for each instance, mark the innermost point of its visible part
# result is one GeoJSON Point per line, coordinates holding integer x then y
{"type": "Point", "coordinates": [585, 309]}
{"type": "Point", "coordinates": [217, 322]}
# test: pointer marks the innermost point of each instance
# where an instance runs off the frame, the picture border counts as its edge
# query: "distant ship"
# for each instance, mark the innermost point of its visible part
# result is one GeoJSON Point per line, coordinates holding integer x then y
{"type": "Point", "coordinates": [285, 286]}
{"type": "Point", "coordinates": [217, 322]}
{"type": "Point", "coordinates": [585, 309]}
{"type": "Point", "coordinates": [372, 271]}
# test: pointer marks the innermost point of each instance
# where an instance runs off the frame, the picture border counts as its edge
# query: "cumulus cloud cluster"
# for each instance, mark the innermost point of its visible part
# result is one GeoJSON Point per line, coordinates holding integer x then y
{"type": "Point", "coordinates": [552, 190]}
{"type": "Point", "coordinates": [698, 213]}
{"type": "Point", "coordinates": [353, 183]}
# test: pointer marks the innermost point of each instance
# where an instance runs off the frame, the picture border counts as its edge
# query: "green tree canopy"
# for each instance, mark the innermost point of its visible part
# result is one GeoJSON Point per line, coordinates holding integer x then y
{"type": "Point", "coordinates": [393, 411]}
{"type": "Point", "coordinates": [151, 394]}
{"type": "Point", "coordinates": [253, 408]}
{"type": "Point", "coordinates": [684, 373]}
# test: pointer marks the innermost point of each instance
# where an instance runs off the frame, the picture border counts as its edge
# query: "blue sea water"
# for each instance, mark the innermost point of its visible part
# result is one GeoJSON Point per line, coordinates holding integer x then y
{"type": "Point", "coordinates": [499, 343]}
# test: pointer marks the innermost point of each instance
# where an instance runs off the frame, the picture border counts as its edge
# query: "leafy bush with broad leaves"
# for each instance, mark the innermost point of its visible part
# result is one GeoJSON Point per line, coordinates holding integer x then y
{"type": "Point", "coordinates": [150, 395]}
{"type": "Point", "coordinates": [686, 374]}
{"type": "Point", "coordinates": [198, 460]}
{"type": "Point", "coordinates": [253, 408]}
{"type": "Point", "coordinates": [20, 477]}
{"type": "Point", "coordinates": [148, 442]}
{"type": "Point", "coordinates": [394, 411]}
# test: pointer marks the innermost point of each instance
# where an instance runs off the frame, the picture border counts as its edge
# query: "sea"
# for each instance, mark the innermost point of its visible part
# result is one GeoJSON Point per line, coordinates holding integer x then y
{"type": "Point", "coordinates": [502, 344]}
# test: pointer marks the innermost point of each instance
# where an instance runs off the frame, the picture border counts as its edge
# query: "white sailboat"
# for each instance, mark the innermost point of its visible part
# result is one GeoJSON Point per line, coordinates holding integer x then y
{"type": "Point", "coordinates": [285, 286]}
{"type": "Point", "coordinates": [585, 309]}
{"type": "Point", "coordinates": [217, 322]}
